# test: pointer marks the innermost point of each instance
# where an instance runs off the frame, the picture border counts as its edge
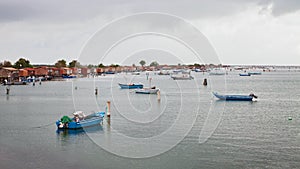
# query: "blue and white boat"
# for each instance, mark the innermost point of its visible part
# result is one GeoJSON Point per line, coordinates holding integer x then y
{"type": "Point", "coordinates": [131, 86]}
{"type": "Point", "coordinates": [80, 121]}
{"type": "Point", "coordinates": [235, 97]}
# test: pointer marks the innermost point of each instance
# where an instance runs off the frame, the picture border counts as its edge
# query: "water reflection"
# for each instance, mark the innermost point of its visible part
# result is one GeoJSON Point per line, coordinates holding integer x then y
{"type": "Point", "coordinates": [73, 137]}
{"type": "Point", "coordinates": [67, 133]}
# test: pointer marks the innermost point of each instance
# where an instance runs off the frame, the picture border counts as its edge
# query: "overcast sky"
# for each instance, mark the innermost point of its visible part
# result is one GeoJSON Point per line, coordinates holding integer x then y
{"type": "Point", "coordinates": [241, 31]}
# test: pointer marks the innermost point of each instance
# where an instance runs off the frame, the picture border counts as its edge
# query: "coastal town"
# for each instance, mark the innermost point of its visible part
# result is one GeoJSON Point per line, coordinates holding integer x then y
{"type": "Point", "coordinates": [23, 71]}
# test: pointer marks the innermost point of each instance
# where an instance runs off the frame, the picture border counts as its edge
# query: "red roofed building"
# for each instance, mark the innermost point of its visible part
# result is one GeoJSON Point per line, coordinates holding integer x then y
{"type": "Point", "coordinates": [31, 71]}
{"type": "Point", "coordinates": [41, 71]}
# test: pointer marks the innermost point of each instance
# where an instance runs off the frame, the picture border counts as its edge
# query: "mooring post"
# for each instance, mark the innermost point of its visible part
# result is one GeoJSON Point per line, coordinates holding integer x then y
{"type": "Point", "coordinates": [108, 109]}
{"type": "Point", "coordinates": [158, 96]}
{"type": "Point", "coordinates": [205, 82]}
{"type": "Point", "coordinates": [7, 90]}
{"type": "Point", "coordinates": [96, 91]}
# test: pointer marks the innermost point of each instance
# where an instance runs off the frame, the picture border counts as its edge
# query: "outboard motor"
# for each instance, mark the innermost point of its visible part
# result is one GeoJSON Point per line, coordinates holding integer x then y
{"type": "Point", "coordinates": [252, 95]}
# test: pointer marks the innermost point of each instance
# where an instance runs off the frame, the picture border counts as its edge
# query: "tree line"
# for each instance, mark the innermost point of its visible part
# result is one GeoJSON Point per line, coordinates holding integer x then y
{"type": "Point", "coordinates": [25, 63]}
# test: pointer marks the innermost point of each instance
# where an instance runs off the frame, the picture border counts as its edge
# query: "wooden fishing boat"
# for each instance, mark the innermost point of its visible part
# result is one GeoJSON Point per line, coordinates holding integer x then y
{"type": "Point", "coordinates": [235, 97]}
{"type": "Point", "coordinates": [131, 86]}
{"type": "Point", "coordinates": [80, 121]}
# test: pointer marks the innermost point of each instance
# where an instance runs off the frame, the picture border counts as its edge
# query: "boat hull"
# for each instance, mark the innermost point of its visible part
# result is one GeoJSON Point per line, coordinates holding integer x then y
{"type": "Point", "coordinates": [131, 86]}
{"type": "Point", "coordinates": [245, 74]}
{"type": "Point", "coordinates": [254, 73]}
{"type": "Point", "coordinates": [69, 76]}
{"type": "Point", "coordinates": [146, 91]}
{"type": "Point", "coordinates": [184, 77]}
{"type": "Point", "coordinates": [16, 83]}
{"type": "Point", "coordinates": [234, 97]}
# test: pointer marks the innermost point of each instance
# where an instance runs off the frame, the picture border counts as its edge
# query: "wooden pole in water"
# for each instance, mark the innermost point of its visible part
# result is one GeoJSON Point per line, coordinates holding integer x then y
{"type": "Point", "coordinates": [96, 91]}
{"type": "Point", "coordinates": [108, 109]}
{"type": "Point", "coordinates": [158, 96]}
{"type": "Point", "coordinates": [7, 90]}
{"type": "Point", "coordinates": [150, 79]}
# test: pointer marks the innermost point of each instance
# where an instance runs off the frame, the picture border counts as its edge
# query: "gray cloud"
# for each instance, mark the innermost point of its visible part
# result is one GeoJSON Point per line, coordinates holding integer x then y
{"type": "Point", "coordinates": [281, 7]}
{"type": "Point", "coordinates": [78, 10]}
{"type": "Point", "coordinates": [57, 28]}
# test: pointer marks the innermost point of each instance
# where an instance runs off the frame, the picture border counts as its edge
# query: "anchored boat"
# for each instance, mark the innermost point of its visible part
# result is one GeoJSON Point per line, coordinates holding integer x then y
{"type": "Point", "coordinates": [152, 90]}
{"type": "Point", "coordinates": [245, 74]}
{"type": "Point", "coordinates": [80, 120]}
{"type": "Point", "coordinates": [131, 86]}
{"type": "Point", "coordinates": [182, 77]}
{"type": "Point", "coordinates": [236, 97]}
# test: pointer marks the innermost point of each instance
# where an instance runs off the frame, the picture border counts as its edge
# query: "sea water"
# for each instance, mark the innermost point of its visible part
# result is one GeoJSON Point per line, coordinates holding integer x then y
{"type": "Point", "coordinates": [206, 132]}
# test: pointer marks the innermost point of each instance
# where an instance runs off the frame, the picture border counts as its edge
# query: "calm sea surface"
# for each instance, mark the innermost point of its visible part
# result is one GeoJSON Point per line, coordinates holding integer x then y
{"type": "Point", "coordinates": [199, 131]}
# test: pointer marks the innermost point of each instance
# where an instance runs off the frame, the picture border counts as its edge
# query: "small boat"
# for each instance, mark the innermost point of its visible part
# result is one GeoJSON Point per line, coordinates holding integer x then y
{"type": "Point", "coordinates": [69, 76]}
{"type": "Point", "coordinates": [135, 73]}
{"type": "Point", "coordinates": [164, 72]}
{"type": "Point", "coordinates": [15, 83]}
{"type": "Point", "coordinates": [254, 73]}
{"type": "Point", "coordinates": [131, 86]}
{"type": "Point", "coordinates": [182, 77]}
{"type": "Point", "coordinates": [217, 71]}
{"type": "Point", "coordinates": [152, 90]}
{"type": "Point", "coordinates": [236, 97]}
{"type": "Point", "coordinates": [245, 74]}
{"type": "Point", "coordinates": [80, 121]}
{"type": "Point", "coordinates": [110, 73]}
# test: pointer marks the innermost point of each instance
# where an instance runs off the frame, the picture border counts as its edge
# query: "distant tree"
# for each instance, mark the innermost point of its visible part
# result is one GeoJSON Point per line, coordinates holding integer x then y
{"type": "Point", "coordinates": [101, 65]}
{"type": "Point", "coordinates": [133, 65]}
{"type": "Point", "coordinates": [154, 63]}
{"type": "Point", "coordinates": [142, 63]}
{"type": "Point", "coordinates": [197, 65]}
{"type": "Point", "coordinates": [91, 66]}
{"type": "Point", "coordinates": [1, 64]}
{"type": "Point", "coordinates": [114, 65]}
{"type": "Point", "coordinates": [22, 63]}
{"type": "Point", "coordinates": [74, 63]}
{"type": "Point", "coordinates": [61, 63]}
{"type": "Point", "coordinates": [7, 64]}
